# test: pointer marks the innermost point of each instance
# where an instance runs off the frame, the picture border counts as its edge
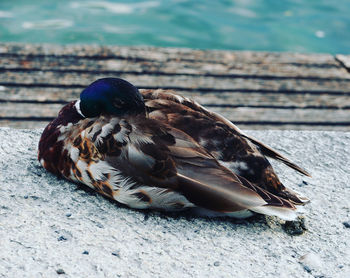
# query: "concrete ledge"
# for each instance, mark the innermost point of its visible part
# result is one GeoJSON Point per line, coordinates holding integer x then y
{"type": "Point", "coordinates": [50, 227]}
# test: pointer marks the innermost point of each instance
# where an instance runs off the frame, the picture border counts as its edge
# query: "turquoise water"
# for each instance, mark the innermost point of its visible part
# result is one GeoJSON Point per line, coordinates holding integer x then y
{"type": "Point", "coordinates": [271, 25]}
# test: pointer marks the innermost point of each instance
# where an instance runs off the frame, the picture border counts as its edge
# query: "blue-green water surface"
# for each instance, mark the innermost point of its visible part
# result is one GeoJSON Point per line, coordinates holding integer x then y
{"type": "Point", "coordinates": [270, 25]}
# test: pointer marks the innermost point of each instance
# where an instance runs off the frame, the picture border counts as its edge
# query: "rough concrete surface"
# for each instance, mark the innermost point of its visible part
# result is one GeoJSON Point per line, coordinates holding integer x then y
{"type": "Point", "coordinates": [53, 228]}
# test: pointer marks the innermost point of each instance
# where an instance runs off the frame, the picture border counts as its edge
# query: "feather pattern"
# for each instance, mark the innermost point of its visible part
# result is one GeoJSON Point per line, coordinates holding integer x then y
{"type": "Point", "coordinates": [241, 153]}
{"type": "Point", "coordinates": [179, 155]}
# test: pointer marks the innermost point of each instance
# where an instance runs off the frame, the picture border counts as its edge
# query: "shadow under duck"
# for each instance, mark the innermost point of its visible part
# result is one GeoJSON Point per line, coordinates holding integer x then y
{"type": "Point", "coordinates": [156, 149]}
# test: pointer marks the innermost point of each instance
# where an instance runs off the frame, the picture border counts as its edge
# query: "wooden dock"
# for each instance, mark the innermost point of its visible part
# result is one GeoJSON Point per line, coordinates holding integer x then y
{"type": "Point", "coordinates": [256, 90]}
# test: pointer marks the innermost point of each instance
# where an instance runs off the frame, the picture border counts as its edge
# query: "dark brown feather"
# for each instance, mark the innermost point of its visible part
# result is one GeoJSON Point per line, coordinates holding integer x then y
{"type": "Point", "coordinates": [268, 151]}
{"type": "Point", "coordinates": [221, 138]}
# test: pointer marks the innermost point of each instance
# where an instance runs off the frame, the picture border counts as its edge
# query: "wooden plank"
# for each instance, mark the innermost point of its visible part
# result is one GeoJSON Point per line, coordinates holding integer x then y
{"type": "Point", "coordinates": [257, 99]}
{"type": "Point", "coordinates": [165, 54]}
{"type": "Point", "coordinates": [251, 114]}
{"type": "Point", "coordinates": [240, 114]}
{"type": "Point", "coordinates": [67, 79]}
{"type": "Point", "coordinates": [117, 66]}
{"type": "Point", "coordinates": [27, 110]}
{"type": "Point", "coordinates": [300, 100]}
{"type": "Point", "coordinates": [344, 60]}
{"type": "Point", "coordinates": [39, 94]}
{"type": "Point", "coordinates": [330, 127]}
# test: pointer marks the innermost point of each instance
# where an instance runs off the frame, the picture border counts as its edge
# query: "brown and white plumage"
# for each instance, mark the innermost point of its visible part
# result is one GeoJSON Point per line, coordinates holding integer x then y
{"type": "Point", "coordinates": [173, 155]}
{"type": "Point", "coordinates": [243, 154]}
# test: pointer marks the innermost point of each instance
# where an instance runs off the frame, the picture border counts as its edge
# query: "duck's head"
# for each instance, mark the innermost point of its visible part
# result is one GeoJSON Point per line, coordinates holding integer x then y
{"type": "Point", "coordinates": [112, 96]}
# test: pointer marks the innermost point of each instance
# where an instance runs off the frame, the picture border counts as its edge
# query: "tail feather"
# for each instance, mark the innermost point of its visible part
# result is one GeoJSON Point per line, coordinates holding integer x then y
{"type": "Point", "coordinates": [268, 151]}
{"type": "Point", "coordinates": [285, 205]}
{"type": "Point", "coordinates": [282, 212]}
{"type": "Point", "coordinates": [294, 197]}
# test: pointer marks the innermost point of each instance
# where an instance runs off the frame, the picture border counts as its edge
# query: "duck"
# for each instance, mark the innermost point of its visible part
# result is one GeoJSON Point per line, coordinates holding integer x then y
{"type": "Point", "coordinates": [156, 149]}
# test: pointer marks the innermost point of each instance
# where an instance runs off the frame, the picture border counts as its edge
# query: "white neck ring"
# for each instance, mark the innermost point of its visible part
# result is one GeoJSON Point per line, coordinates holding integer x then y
{"type": "Point", "coordinates": [77, 107]}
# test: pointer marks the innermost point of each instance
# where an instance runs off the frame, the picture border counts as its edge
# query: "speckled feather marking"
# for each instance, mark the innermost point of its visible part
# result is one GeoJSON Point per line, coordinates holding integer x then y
{"type": "Point", "coordinates": [84, 154]}
{"type": "Point", "coordinates": [220, 137]}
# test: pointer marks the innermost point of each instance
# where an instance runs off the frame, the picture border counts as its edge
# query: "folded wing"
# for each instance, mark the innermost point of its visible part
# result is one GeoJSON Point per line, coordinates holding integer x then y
{"type": "Point", "coordinates": [131, 159]}
{"type": "Point", "coordinates": [265, 150]}
{"type": "Point", "coordinates": [161, 155]}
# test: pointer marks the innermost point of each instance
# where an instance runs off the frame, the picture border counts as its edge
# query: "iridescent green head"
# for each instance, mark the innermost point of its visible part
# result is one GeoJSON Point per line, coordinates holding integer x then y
{"type": "Point", "coordinates": [113, 96]}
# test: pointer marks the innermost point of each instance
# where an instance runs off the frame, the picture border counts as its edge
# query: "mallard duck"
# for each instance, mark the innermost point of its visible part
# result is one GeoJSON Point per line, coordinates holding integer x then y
{"type": "Point", "coordinates": [155, 149]}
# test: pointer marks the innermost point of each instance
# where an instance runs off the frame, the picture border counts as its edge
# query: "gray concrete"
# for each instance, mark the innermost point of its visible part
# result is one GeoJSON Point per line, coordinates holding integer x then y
{"type": "Point", "coordinates": [50, 226]}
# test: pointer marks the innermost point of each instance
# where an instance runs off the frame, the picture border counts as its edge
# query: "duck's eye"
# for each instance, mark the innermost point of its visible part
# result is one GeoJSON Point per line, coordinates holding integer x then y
{"type": "Point", "coordinates": [118, 103]}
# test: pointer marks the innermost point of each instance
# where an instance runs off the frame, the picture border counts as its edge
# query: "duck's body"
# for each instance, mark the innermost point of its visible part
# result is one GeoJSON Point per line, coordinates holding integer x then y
{"type": "Point", "coordinates": [173, 155]}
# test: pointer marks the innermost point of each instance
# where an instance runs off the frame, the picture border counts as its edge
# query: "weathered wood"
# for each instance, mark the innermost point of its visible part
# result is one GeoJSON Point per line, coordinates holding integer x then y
{"type": "Point", "coordinates": [252, 114]}
{"type": "Point", "coordinates": [240, 114]}
{"type": "Point", "coordinates": [255, 89]}
{"type": "Point", "coordinates": [166, 54]}
{"type": "Point", "coordinates": [256, 99]}
{"type": "Point", "coordinates": [287, 126]}
{"type": "Point", "coordinates": [344, 60]}
{"type": "Point", "coordinates": [29, 110]}
{"type": "Point", "coordinates": [39, 94]}
{"type": "Point", "coordinates": [221, 68]}
{"type": "Point", "coordinates": [184, 82]}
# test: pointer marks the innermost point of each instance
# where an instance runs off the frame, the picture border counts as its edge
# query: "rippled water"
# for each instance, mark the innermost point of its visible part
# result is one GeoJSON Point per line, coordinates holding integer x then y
{"type": "Point", "coordinates": [294, 25]}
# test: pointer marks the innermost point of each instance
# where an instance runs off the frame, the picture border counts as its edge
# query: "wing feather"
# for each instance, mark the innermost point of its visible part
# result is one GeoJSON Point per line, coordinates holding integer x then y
{"type": "Point", "coordinates": [182, 164]}
{"type": "Point", "coordinates": [266, 150]}
{"type": "Point", "coordinates": [155, 155]}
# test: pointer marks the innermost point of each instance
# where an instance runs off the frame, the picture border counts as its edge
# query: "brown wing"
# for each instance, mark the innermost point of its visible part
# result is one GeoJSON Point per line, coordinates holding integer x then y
{"type": "Point", "coordinates": [268, 151]}
{"type": "Point", "coordinates": [114, 155]}
{"type": "Point", "coordinates": [235, 132]}
{"type": "Point", "coordinates": [157, 154]}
